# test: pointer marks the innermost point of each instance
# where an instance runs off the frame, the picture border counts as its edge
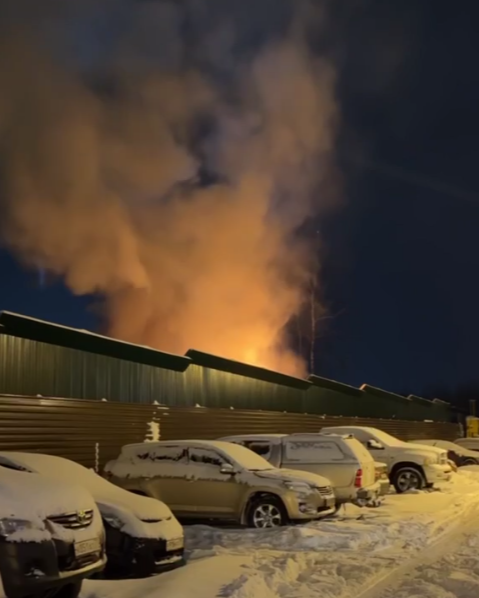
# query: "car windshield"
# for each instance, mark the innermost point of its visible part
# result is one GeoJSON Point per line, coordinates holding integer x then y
{"type": "Point", "coordinates": [444, 444]}
{"type": "Point", "coordinates": [245, 458]}
{"type": "Point", "coordinates": [386, 439]}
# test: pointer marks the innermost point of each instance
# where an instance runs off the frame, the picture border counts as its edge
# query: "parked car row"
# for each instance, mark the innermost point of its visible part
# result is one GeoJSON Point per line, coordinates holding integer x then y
{"type": "Point", "coordinates": [61, 522]}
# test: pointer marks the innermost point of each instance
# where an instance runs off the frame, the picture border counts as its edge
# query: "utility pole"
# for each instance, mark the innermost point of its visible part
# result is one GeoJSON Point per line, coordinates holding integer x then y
{"type": "Point", "coordinates": [313, 326]}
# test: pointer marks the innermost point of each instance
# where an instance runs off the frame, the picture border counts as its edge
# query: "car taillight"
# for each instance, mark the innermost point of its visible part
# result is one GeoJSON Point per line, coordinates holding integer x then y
{"type": "Point", "coordinates": [358, 480]}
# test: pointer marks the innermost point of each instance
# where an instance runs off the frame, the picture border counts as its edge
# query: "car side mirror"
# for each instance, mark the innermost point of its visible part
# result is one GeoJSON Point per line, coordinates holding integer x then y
{"type": "Point", "coordinates": [228, 469]}
{"type": "Point", "coordinates": [374, 444]}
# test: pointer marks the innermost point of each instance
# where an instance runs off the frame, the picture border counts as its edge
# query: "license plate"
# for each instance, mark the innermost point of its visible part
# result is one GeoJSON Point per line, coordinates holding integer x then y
{"type": "Point", "coordinates": [175, 544]}
{"type": "Point", "coordinates": [87, 547]}
{"type": "Point", "coordinates": [331, 501]}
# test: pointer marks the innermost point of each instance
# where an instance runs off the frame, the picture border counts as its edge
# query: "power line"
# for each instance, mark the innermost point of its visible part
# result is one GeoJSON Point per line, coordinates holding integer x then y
{"type": "Point", "coordinates": [419, 180]}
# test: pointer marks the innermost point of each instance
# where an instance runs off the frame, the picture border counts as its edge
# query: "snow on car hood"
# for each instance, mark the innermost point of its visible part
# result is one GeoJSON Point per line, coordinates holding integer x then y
{"type": "Point", "coordinates": [23, 495]}
{"type": "Point", "coordinates": [142, 507]}
{"type": "Point", "coordinates": [423, 451]}
{"type": "Point", "coordinates": [291, 475]}
{"type": "Point", "coordinates": [140, 516]}
{"type": "Point", "coordinates": [33, 498]}
{"type": "Point", "coordinates": [129, 522]}
{"type": "Point", "coordinates": [424, 448]}
{"type": "Point", "coordinates": [464, 452]}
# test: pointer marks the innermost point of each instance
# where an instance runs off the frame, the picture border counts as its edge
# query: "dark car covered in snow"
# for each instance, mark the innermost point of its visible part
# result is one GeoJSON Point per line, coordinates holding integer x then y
{"type": "Point", "coordinates": [459, 455]}
{"type": "Point", "coordinates": [51, 536]}
{"type": "Point", "coordinates": [142, 535]}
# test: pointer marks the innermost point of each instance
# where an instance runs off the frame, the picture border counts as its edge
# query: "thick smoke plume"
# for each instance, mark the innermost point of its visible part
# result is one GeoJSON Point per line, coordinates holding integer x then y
{"type": "Point", "coordinates": [168, 168]}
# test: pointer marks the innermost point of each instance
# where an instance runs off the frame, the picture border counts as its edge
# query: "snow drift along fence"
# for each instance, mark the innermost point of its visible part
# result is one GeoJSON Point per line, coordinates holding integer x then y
{"type": "Point", "coordinates": [92, 432]}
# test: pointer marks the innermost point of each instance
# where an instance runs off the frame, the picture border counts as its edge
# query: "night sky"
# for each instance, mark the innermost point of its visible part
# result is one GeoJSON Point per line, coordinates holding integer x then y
{"type": "Point", "coordinates": [401, 254]}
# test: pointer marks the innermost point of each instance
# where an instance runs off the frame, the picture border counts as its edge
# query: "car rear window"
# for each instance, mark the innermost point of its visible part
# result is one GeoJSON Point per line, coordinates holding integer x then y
{"type": "Point", "coordinates": [312, 451]}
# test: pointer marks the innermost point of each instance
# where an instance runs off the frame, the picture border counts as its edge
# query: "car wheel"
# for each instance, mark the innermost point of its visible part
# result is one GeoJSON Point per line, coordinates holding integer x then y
{"type": "Point", "coordinates": [267, 512]}
{"type": "Point", "coordinates": [407, 478]}
{"type": "Point", "coordinates": [469, 461]}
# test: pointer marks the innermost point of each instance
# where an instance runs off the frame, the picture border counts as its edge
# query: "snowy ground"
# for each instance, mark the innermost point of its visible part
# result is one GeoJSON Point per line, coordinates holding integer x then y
{"type": "Point", "coordinates": [456, 575]}
{"type": "Point", "coordinates": [339, 558]}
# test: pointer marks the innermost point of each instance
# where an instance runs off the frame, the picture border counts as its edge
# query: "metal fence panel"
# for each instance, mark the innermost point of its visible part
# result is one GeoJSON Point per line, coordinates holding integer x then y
{"type": "Point", "coordinates": [93, 432]}
{"type": "Point", "coordinates": [177, 424]}
{"type": "Point", "coordinates": [89, 432]}
{"type": "Point", "coordinates": [29, 367]}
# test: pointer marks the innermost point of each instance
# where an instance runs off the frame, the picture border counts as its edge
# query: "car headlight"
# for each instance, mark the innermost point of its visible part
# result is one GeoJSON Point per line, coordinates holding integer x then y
{"type": "Point", "coordinates": [430, 461]}
{"type": "Point", "coordinates": [113, 521]}
{"type": "Point", "coordinates": [10, 526]}
{"type": "Point", "coordinates": [299, 488]}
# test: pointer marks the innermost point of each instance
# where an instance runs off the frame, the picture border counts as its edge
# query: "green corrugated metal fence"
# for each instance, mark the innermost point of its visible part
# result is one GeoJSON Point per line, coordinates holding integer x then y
{"type": "Point", "coordinates": [33, 367]}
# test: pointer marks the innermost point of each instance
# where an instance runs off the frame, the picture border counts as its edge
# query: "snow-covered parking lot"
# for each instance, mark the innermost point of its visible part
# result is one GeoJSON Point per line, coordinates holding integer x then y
{"type": "Point", "coordinates": [349, 556]}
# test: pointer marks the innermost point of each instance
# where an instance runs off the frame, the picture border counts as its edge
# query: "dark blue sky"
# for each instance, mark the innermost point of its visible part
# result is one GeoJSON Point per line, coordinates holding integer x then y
{"type": "Point", "coordinates": [401, 258]}
{"type": "Point", "coordinates": [404, 257]}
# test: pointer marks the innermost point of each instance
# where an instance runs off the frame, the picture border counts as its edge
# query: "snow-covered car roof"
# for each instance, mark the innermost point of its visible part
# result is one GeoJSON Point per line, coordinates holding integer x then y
{"type": "Point", "coordinates": [105, 493]}
{"type": "Point", "coordinates": [220, 444]}
{"type": "Point", "coordinates": [254, 437]}
{"type": "Point", "coordinates": [240, 454]}
{"type": "Point", "coordinates": [365, 428]}
{"type": "Point", "coordinates": [278, 437]}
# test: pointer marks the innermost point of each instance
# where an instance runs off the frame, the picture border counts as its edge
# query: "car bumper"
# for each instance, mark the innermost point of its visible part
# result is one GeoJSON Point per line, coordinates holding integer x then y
{"type": "Point", "coordinates": [35, 567]}
{"type": "Point", "coordinates": [384, 486]}
{"type": "Point", "coordinates": [437, 473]}
{"type": "Point", "coordinates": [139, 557]}
{"type": "Point", "coordinates": [310, 506]}
{"type": "Point", "coordinates": [369, 494]}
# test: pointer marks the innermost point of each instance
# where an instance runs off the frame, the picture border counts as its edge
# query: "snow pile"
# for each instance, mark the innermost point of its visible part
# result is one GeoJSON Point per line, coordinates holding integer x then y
{"type": "Point", "coordinates": [153, 432]}
{"type": "Point", "coordinates": [455, 575]}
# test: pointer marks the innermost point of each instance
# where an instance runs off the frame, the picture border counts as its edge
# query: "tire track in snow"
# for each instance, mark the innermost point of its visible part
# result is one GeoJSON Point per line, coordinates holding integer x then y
{"type": "Point", "coordinates": [454, 576]}
{"type": "Point", "coordinates": [452, 539]}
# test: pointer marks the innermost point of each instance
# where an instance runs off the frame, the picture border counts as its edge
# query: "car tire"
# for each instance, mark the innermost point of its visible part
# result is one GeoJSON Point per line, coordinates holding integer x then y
{"type": "Point", "coordinates": [408, 478]}
{"type": "Point", "coordinates": [469, 461]}
{"type": "Point", "coordinates": [266, 512]}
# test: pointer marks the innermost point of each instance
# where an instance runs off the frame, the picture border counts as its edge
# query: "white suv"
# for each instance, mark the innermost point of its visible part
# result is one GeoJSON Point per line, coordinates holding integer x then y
{"type": "Point", "coordinates": [410, 466]}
